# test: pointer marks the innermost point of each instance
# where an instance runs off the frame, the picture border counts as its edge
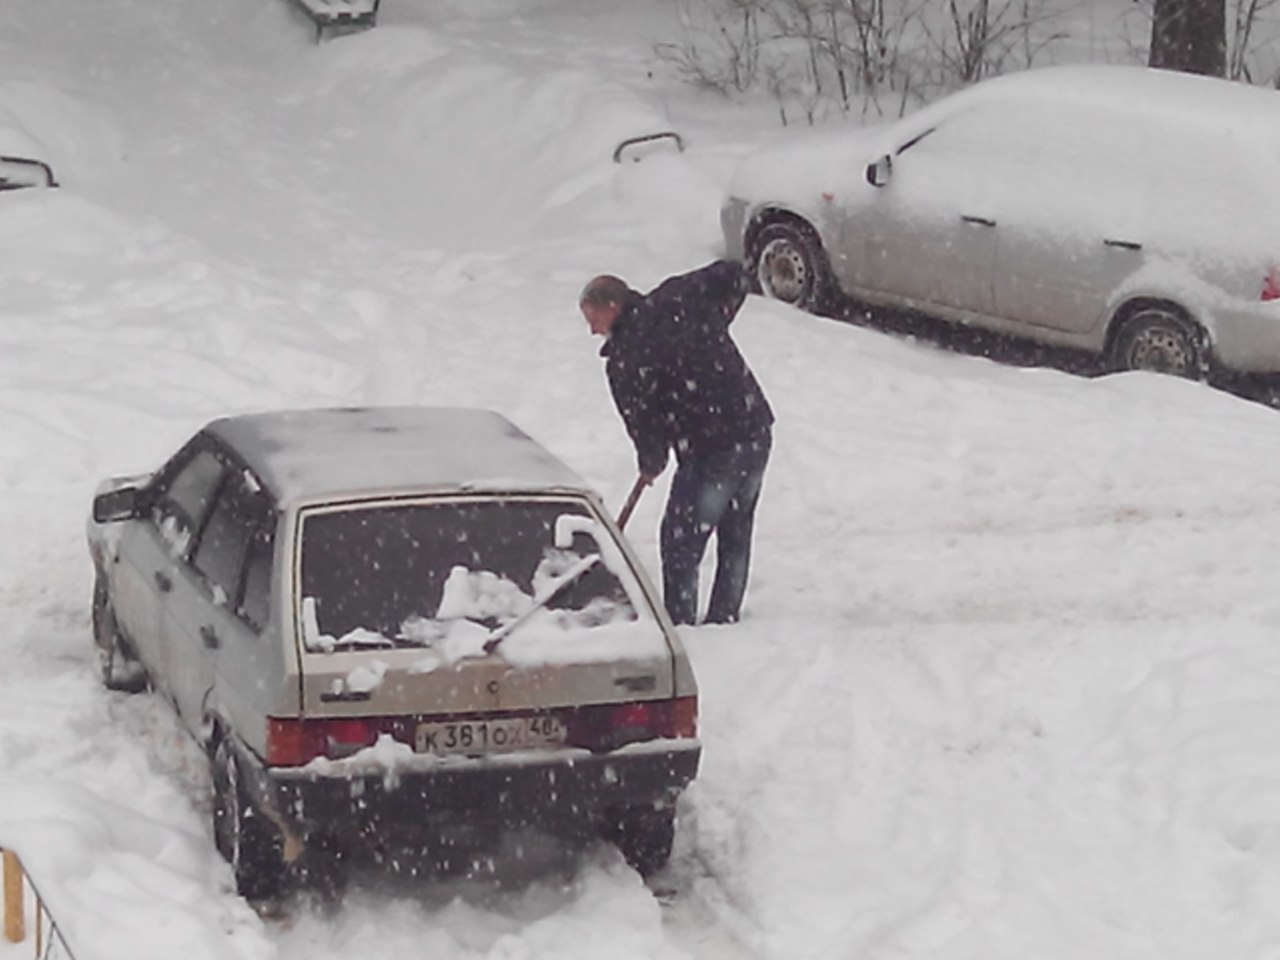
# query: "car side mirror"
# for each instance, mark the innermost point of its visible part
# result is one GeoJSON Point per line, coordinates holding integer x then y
{"type": "Point", "coordinates": [123, 503]}
{"type": "Point", "coordinates": [878, 173]}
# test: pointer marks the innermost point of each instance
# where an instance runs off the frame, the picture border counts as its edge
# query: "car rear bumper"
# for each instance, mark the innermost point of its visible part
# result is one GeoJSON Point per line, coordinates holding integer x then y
{"type": "Point", "coordinates": [1247, 339]}
{"type": "Point", "coordinates": [561, 788]}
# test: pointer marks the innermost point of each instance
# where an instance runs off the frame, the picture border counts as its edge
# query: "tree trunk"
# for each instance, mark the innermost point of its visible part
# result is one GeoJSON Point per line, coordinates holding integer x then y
{"type": "Point", "coordinates": [1190, 35]}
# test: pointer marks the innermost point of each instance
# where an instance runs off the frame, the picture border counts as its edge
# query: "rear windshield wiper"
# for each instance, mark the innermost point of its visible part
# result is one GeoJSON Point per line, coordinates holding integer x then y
{"type": "Point", "coordinates": [548, 594]}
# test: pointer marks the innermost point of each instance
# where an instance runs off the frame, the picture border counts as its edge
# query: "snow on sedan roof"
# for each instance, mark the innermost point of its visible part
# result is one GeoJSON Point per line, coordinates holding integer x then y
{"type": "Point", "coordinates": [1204, 102]}
{"type": "Point", "coordinates": [304, 454]}
{"type": "Point", "coordinates": [1208, 113]}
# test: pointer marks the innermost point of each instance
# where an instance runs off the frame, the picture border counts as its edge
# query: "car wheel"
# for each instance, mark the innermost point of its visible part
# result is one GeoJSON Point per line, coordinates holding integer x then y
{"type": "Point", "coordinates": [1159, 340]}
{"type": "Point", "coordinates": [322, 869]}
{"type": "Point", "coordinates": [790, 265]}
{"type": "Point", "coordinates": [1268, 395]}
{"type": "Point", "coordinates": [643, 835]}
{"type": "Point", "coordinates": [118, 668]}
{"type": "Point", "coordinates": [246, 839]}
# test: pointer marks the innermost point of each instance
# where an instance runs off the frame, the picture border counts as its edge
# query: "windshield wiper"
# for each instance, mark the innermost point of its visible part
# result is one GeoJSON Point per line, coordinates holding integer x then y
{"type": "Point", "coordinates": [548, 594]}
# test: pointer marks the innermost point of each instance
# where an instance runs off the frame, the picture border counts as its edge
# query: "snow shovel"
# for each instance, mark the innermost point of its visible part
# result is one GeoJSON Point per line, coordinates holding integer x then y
{"type": "Point", "coordinates": [632, 499]}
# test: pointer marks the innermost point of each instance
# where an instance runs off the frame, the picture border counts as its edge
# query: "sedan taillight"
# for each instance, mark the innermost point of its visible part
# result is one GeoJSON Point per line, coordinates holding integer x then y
{"type": "Point", "coordinates": [1271, 284]}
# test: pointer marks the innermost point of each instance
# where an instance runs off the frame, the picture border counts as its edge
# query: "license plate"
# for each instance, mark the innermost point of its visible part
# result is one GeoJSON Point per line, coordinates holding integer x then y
{"type": "Point", "coordinates": [489, 736]}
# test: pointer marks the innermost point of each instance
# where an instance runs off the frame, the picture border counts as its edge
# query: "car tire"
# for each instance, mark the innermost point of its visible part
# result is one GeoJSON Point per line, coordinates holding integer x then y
{"type": "Point", "coordinates": [1159, 339]}
{"type": "Point", "coordinates": [644, 836]}
{"type": "Point", "coordinates": [789, 264]}
{"type": "Point", "coordinates": [118, 667]}
{"type": "Point", "coordinates": [247, 840]}
{"type": "Point", "coordinates": [321, 870]}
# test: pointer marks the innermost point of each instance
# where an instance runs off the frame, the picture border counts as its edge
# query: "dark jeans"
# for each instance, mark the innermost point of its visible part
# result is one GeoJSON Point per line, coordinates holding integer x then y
{"type": "Point", "coordinates": [718, 491]}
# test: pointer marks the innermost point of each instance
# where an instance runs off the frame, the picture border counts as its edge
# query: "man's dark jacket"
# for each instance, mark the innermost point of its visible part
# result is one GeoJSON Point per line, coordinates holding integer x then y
{"type": "Point", "coordinates": [676, 375]}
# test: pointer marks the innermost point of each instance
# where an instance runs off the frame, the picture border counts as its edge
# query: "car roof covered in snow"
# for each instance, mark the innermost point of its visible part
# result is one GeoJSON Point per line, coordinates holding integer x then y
{"type": "Point", "coordinates": [1188, 101]}
{"type": "Point", "coordinates": [343, 452]}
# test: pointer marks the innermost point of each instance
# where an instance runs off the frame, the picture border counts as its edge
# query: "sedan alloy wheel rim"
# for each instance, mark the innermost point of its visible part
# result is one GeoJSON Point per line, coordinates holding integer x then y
{"type": "Point", "coordinates": [783, 271]}
{"type": "Point", "coordinates": [1161, 351]}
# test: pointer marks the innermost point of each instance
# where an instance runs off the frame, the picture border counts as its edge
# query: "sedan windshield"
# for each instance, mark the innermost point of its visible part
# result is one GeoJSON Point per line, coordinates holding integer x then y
{"type": "Point", "coordinates": [404, 574]}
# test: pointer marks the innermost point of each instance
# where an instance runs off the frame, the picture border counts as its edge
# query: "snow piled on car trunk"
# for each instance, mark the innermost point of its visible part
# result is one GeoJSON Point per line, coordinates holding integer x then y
{"type": "Point", "coordinates": [1006, 682]}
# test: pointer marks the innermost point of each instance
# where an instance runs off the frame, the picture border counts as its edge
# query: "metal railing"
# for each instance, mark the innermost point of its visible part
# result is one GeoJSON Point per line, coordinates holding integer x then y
{"type": "Point", "coordinates": [49, 944]}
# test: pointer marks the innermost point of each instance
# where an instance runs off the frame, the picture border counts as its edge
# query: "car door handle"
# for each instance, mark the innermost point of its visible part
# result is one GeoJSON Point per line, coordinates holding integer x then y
{"type": "Point", "coordinates": [1123, 244]}
{"type": "Point", "coordinates": [163, 582]}
{"type": "Point", "coordinates": [977, 221]}
{"type": "Point", "coordinates": [210, 637]}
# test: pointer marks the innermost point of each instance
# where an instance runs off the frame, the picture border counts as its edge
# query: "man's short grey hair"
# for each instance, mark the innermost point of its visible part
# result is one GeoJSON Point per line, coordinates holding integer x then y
{"type": "Point", "coordinates": [603, 291]}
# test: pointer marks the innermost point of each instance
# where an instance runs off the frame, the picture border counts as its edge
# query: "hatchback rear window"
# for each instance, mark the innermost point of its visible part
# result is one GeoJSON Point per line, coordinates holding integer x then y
{"type": "Point", "coordinates": [406, 574]}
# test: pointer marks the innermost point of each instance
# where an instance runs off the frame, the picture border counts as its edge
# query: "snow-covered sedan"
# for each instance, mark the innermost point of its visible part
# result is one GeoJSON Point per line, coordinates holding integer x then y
{"type": "Point", "coordinates": [404, 627]}
{"type": "Point", "coordinates": [1128, 212]}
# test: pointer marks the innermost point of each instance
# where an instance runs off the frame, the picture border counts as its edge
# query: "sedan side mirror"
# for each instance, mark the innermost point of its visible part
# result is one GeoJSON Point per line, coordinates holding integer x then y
{"type": "Point", "coordinates": [878, 173]}
{"type": "Point", "coordinates": [123, 503]}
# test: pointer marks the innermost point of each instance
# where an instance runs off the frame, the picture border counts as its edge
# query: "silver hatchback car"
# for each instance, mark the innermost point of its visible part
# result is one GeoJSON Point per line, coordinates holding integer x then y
{"type": "Point", "coordinates": [1128, 212]}
{"type": "Point", "coordinates": [395, 629]}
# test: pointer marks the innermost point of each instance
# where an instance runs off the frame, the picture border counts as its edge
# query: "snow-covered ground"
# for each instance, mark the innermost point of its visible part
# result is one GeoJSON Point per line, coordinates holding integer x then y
{"type": "Point", "coordinates": [1008, 683]}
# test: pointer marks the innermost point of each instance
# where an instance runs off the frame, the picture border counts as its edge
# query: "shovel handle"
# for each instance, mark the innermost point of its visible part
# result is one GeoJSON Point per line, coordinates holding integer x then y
{"type": "Point", "coordinates": [633, 498]}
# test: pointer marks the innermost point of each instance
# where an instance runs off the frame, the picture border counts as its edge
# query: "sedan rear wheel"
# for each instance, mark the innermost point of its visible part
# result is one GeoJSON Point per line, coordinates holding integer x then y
{"type": "Point", "coordinates": [246, 839]}
{"type": "Point", "coordinates": [1159, 340]}
{"type": "Point", "coordinates": [791, 265]}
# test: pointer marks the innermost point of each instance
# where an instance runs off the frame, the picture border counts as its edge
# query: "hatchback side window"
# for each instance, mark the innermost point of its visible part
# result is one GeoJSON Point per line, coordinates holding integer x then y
{"type": "Point", "coordinates": [255, 602]}
{"type": "Point", "coordinates": [181, 505]}
{"type": "Point", "coordinates": [224, 543]}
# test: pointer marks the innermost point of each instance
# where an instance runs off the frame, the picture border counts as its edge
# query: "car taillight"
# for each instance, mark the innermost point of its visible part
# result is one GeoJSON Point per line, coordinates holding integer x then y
{"type": "Point", "coordinates": [344, 737]}
{"type": "Point", "coordinates": [684, 718]}
{"type": "Point", "coordinates": [607, 727]}
{"type": "Point", "coordinates": [1271, 284]}
{"type": "Point", "coordinates": [632, 717]}
{"type": "Point", "coordinates": [631, 723]}
{"type": "Point", "coordinates": [292, 742]}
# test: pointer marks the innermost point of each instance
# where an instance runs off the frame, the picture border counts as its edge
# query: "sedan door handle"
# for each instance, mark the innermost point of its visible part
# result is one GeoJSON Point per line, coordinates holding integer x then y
{"type": "Point", "coordinates": [1123, 244]}
{"type": "Point", "coordinates": [210, 637]}
{"type": "Point", "coordinates": [163, 582]}
{"type": "Point", "coordinates": [977, 221]}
